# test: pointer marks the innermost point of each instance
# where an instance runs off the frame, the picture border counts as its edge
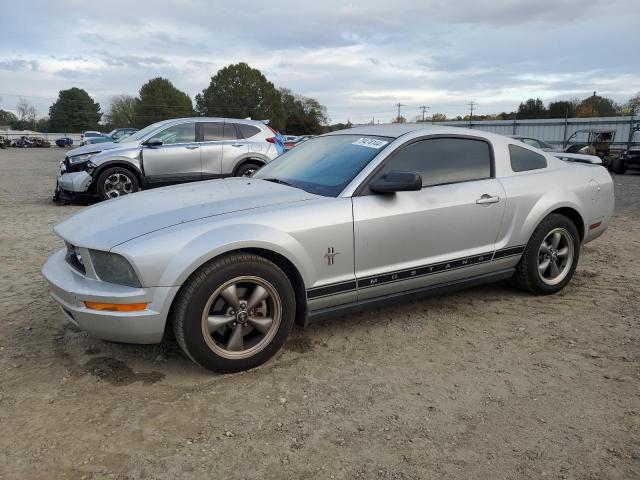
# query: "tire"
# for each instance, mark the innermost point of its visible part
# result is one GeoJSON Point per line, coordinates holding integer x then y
{"type": "Point", "coordinates": [528, 276]}
{"type": "Point", "coordinates": [247, 169]}
{"type": "Point", "coordinates": [115, 182]}
{"type": "Point", "coordinates": [618, 165]}
{"type": "Point", "coordinates": [201, 301]}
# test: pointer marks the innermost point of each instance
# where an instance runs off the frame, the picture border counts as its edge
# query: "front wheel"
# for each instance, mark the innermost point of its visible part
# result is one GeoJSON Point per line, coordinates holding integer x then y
{"type": "Point", "coordinates": [115, 182]}
{"type": "Point", "coordinates": [550, 257]}
{"type": "Point", "coordinates": [234, 313]}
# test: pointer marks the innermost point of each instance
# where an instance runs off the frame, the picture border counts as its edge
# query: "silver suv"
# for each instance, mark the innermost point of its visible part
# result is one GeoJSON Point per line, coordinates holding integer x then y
{"type": "Point", "coordinates": [168, 152]}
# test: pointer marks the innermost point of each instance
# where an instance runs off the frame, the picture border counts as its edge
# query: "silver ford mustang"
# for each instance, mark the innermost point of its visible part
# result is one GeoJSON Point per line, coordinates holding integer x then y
{"type": "Point", "coordinates": [348, 220]}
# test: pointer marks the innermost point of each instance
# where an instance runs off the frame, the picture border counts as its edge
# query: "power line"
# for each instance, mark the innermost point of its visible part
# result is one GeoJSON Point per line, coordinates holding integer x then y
{"type": "Point", "coordinates": [471, 105]}
{"type": "Point", "coordinates": [424, 109]}
{"type": "Point", "coordinates": [399, 105]}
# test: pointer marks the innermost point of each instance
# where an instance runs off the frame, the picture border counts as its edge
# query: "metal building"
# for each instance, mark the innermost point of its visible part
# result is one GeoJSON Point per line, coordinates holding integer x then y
{"type": "Point", "coordinates": [557, 131]}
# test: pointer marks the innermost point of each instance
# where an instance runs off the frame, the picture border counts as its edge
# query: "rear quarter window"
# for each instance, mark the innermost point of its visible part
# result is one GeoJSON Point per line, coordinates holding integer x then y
{"type": "Point", "coordinates": [247, 131]}
{"type": "Point", "coordinates": [523, 159]}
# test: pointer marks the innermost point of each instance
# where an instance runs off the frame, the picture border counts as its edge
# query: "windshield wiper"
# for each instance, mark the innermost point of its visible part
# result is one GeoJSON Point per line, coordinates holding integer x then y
{"type": "Point", "coordinates": [281, 182]}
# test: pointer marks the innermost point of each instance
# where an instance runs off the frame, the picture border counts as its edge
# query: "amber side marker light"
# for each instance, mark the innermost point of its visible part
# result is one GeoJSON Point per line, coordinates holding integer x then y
{"type": "Point", "coordinates": [116, 307]}
{"type": "Point", "coordinates": [594, 225]}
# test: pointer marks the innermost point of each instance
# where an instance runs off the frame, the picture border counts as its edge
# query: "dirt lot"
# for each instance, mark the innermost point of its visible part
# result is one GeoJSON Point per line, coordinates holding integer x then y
{"type": "Point", "coordinates": [487, 383]}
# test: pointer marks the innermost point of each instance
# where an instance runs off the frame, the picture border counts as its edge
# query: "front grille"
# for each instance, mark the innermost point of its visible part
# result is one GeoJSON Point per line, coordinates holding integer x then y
{"type": "Point", "coordinates": [72, 259]}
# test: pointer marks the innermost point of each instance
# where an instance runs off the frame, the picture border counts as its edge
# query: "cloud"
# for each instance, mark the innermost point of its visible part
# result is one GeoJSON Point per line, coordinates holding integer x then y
{"type": "Point", "coordinates": [13, 65]}
{"type": "Point", "coordinates": [358, 58]}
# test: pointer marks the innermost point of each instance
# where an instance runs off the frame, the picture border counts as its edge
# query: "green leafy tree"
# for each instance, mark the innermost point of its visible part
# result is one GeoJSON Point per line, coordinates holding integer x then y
{"type": "Point", "coordinates": [563, 108]}
{"type": "Point", "coordinates": [160, 100]}
{"type": "Point", "coordinates": [74, 111]}
{"type": "Point", "coordinates": [597, 106]}
{"type": "Point", "coordinates": [303, 115]}
{"type": "Point", "coordinates": [532, 108]}
{"type": "Point", "coordinates": [122, 112]}
{"type": "Point", "coordinates": [239, 91]}
{"type": "Point", "coordinates": [6, 117]}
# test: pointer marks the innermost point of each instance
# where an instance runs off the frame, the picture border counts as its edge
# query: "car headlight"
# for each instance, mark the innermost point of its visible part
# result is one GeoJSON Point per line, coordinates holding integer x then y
{"type": "Point", "coordinates": [113, 268]}
{"type": "Point", "coordinates": [85, 157]}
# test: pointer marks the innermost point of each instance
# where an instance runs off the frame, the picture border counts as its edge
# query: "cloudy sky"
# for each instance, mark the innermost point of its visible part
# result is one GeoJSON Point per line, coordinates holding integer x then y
{"type": "Point", "coordinates": [358, 58]}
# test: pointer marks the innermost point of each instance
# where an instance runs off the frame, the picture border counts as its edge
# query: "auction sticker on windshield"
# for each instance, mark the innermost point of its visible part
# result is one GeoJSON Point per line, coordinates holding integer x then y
{"type": "Point", "coordinates": [370, 142]}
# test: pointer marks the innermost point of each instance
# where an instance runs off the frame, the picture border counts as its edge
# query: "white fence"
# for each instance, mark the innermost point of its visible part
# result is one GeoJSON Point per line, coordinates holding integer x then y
{"type": "Point", "coordinates": [557, 131]}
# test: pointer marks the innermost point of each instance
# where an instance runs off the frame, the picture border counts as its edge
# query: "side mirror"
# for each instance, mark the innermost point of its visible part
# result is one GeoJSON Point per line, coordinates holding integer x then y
{"type": "Point", "coordinates": [154, 142]}
{"type": "Point", "coordinates": [395, 181]}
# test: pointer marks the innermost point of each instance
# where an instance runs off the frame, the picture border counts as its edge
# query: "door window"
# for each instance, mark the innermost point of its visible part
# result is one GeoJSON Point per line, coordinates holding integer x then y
{"type": "Point", "coordinates": [212, 131]}
{"type": "Point", "coordinates": [230, 132]}
{"type": "Point", "coordinates": [444, 160]}
{"type": "Point", "coordinates": [183, 133]}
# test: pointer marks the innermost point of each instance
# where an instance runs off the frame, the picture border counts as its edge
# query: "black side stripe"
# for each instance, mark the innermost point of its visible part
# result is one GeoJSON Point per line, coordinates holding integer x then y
{"type": "Point", "coordinates": [422, 271]}
{"type": "Point", "coordinates": [399, 275]}
{"type": "Point", "coordinates": [508, 252]}
{"type": "Point", "coordinates": [331, 289]}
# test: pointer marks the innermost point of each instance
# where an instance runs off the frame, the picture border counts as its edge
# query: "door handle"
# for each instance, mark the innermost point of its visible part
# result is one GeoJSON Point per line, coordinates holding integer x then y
{"type": "Point", "coordinates": [486, 199]}
{"type": "Point", "coordinates": [237, 145]}
{"type": "Point", "coordinates": [191, 147]}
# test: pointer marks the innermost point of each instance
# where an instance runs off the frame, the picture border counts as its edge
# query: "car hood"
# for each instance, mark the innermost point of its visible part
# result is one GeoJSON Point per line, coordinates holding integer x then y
{"type": "Point", "coordinates": [98, 147]}
{"type": "Point", "coordinates": [110, 223]}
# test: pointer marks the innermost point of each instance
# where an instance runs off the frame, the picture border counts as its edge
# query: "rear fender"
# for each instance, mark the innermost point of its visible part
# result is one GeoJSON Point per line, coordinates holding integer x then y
{"type": "Point", "coordinates": [523, 222]}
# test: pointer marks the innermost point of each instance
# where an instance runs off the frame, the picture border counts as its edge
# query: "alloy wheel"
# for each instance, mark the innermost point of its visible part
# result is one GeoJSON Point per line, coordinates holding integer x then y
{"type": "Point", "coordinates": [117, 184]}
{"type": "Point", "coordinates": [555, 256]}
{"type": "Point", "coordinates": [241, 317]}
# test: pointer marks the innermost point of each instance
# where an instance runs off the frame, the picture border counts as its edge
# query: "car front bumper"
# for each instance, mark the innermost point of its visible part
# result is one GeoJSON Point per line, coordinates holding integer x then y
{"type": "Point", "coordinates": [71, 289]}
{"type": "Point", "coordinates": [77, 182]}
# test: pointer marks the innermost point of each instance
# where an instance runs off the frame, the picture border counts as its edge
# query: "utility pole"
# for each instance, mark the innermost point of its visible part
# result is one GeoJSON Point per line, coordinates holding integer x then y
{"type": "Point", "coordinates": [471, 105]}
{"type": "Point", "coordinates": [399, 105]}
{"type": "Point", "coordinates": [424, 109]}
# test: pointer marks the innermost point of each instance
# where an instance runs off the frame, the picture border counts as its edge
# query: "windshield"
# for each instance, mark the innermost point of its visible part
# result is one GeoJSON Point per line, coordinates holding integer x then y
{"type": "Point", "coordinates": [324, 165]}
{"type": "Point", "coordinates": [140, 134]}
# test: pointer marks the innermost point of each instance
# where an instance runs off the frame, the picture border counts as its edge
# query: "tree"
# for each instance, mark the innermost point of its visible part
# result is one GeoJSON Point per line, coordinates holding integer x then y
{"type": "Point", "coordinates": [597, 106]}
{"type": "Point", "coordinates": [239, 91]}
{"type": "Point", "coordinates": [122, 112]}
{"type": "Point", "coordinates": [632, 107]}
{"type": "Point", "coordinates": [532, 108]}
{"type": "Point", "coordinates": [160, 100]}
{"type": "Point", "coordinates": [438, 117]}
{"type": "Point", "coordinates": [6, 117]}
{"type": "Point", "coordinates": [303, 115]}
{"type": "Point", "coordinates": [399, 119]}
{"type": "Point", "coordinates": [74, 111]}
{"type": "Point", "coordinates": [563, 108]}
{"type": "Point", "coordinates": [26, 111]}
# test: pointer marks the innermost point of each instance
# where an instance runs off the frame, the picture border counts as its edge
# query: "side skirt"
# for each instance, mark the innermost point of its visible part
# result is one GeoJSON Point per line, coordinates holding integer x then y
{"type": "Point", "coordinates": [386, 300]}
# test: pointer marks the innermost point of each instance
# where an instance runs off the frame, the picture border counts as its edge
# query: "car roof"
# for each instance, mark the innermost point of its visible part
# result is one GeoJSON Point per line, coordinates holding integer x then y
{"type": "Point", "coordinates": [398, 130]}
{"type": "Point", "coordinates": [216, 119]}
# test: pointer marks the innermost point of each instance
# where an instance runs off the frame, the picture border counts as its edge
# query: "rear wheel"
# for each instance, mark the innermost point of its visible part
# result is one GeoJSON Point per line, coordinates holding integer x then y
{"type": "Point", "coordinates": [115, 182]}
{"type": "Point", "coordinates": [247, 170]}
{"type": "Point", "coordinates": [234, 313]}
{"type": "Point", "coordinates": [550, 257]}
{"type": "Point", "coordinates": [618, 165]}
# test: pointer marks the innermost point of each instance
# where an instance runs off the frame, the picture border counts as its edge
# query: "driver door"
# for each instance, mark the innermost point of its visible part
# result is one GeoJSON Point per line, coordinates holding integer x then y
{"type": "Point", "coordinates": [442, 233]}
{"type": "Point", "coordinates": [177, 159]}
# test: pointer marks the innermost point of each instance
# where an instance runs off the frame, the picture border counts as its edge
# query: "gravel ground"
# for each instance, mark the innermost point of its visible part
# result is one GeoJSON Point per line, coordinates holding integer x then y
{"type": "Point", "coordinates": [489, 383]}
